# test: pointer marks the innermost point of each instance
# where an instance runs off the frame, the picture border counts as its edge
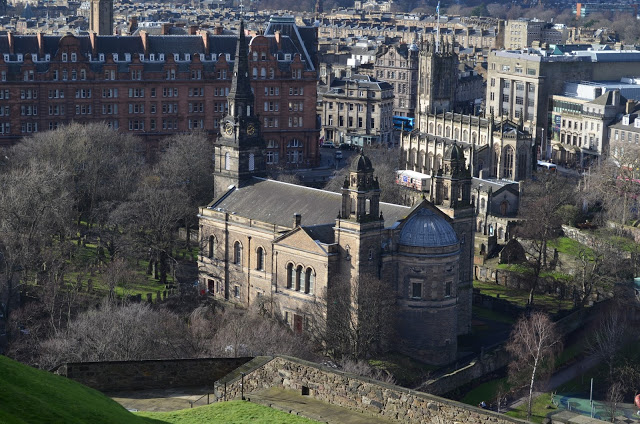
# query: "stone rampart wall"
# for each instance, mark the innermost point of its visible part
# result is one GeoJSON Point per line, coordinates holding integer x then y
{"type": "Point", "coordinates": [155, 374]}
{"type": "Point", "coordinates": [361, 394]}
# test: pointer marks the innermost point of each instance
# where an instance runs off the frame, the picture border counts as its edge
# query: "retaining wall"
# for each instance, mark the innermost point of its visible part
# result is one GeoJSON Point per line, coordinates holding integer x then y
{"type": "Point", "coordinates": [361, 394]}
{"type": "Point", "coordinates": [155, 374]}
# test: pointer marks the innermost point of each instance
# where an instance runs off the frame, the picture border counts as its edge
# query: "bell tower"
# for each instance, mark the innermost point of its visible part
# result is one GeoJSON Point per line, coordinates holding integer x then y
{"type": "Point", "coordinates": [361, 192]}
{"type": "Point", "coordinates": [239, 149]}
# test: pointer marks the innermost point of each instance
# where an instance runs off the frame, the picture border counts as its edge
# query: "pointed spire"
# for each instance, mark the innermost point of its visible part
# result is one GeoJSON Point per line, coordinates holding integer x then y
{"type": "Point", "coordinates": [240, 93]}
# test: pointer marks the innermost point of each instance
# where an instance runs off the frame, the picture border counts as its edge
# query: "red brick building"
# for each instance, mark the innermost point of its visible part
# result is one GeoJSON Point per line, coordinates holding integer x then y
{"type": "Point", "coordinates": [154, 86]}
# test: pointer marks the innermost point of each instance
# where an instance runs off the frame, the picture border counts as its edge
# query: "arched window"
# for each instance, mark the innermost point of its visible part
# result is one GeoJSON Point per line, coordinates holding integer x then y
{"type": "Point", "coordinates": [438, 163]}
{"type": "Point", "coordinates": [255, 73]}
{"type": "Point", "coordinates": [474, 137]}
{"type": "Point", "coordinates": [439, 130]}
{"type": "Point", "coordinates": [482, 203]}
{"type": "Point", "coordinates": [227, 161]}
{"type": "Point", "coordinates": [298, 277]}
{"type": "Point", "coordinates": [309, 281]}
{"type": "Point", "coordinates": [260, 259]}
{"type": "Point", "coordinates": [289, 275]}
{"type": "Point", "coordinates": [456, 133]}
{"type": "Point", "coordinates": [263, 72]}
{"type": "Point", "coordinates": [507, 169]}
{"type": "Point", "coordinates": [447, 131]}
{"type": "Point", "coordinates": [465, 135]}
{"type": "Point", "coordinates": [237, 253]}
{"type": "Point", "coordinates": [255, 55]}
{"type": "Point", "coordinates": [252, 162]}
{"type": "Point", "coordinates": [212, 246]}
{"type": "Point", "coordinates": [500, 233]}
{"type": "Point", "coordinates": [429, 164]}
{"type": "Point", "coordinates": [430, 127]}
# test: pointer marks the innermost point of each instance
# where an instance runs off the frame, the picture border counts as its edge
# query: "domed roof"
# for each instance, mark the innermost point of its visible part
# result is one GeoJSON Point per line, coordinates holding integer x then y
{"type": "Point", "coordinates": [426, 229]}
{"type": "Point", "coordinates": [361, 163]}
{"type": "Point", "coordinates": [454, 152]}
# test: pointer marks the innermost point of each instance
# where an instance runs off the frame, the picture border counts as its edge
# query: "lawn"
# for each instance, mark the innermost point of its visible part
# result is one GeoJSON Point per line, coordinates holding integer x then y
{"type": "Point", "coordinates": [29, 395]}
{"type": "Point", "coordinates": [570, 247]}
{"type": "Point", "coordinates": [486, 392]}
{"type": "Point", "coordinates": [539, 409]}
{"type": "Point", "coordinates": [232, 412]}
{"type": "Point", "coordinates": [549, 303]}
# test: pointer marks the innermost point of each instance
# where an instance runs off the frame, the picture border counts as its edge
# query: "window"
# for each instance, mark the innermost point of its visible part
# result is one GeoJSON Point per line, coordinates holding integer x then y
{"type": "Point", "coordinates": [447, 289]}
{"type": "Point", "coordinates": [289, 275]}
{"type": "Point", "coordinates": [237, 253]}
{"type": "Point", "coordinates": [416, 290]}
{"type": "Point", "coordinates": [298, 277]}
{"type": "Point", "coordinates": [236, 291]}
{"type": "Point", "coordinates": [227, 161]}
{"type": "Point", "coordinates": [212, 246]}
{"type": "Point", "coordinates": [260, 259]}
{"type": "Point", "coordinates": [309, 281]}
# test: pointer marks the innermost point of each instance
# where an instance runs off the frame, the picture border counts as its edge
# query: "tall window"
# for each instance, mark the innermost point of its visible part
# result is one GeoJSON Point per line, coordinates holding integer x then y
{"type": "Point", "coordinates": [289, 275]}
{"type": "Point", "coordinates": [508, 163]}
{"type": "Point", "coordinates": [260, 259]}
{"type": "Point", "coordinates": [416, 290]}
{"type": "Point", "coordinates": [298, 277]}
{"type": "Point", "coordinates": [237, 253]}
{"type": "Point", "coordinates": [212, 246]}
{"type": "Point", "coordinates": [227, 161]}
{"type": "Point", "coordinates": [252, 162]}
{"type": "Point", "coordinates": [309, 281]}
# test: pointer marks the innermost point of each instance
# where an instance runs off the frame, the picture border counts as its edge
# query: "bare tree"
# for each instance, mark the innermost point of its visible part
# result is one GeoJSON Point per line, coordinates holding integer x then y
{"type": "Point", "coordinates": [354, 320]}
{"type": "Point", "coordinates": [533, 345]}
{"type": "Point", "coordinates": [540, 211]}
{"type": "Point", "coordinates": [615, 396]}
{"type": "Point", "coordinates": [186, 164]}
{"type": "Point", "coordinates": [608, 338]}
{"type": "Point", "coordinates": [112, 332]}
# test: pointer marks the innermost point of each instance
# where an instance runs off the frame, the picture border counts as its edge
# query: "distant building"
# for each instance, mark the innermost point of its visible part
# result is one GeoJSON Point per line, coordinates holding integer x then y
{"type": "Point", "coordinates": [101, 18]}
{"type": "Point", "coordinates": [157, 85]}
{"type": "Point", "coordinates": [522, 33]}
{"type": "Point", "coordinates": [358, 110]}
{"type": "Point", "coordinates": [582, 10]}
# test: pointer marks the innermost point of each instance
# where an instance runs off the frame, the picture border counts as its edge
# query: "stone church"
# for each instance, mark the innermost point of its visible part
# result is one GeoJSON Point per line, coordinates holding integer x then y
{"type": "Point", "coordinates": [268, 240]}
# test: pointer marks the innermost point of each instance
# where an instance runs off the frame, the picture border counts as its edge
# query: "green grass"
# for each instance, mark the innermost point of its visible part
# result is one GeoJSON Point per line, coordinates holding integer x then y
{"type": "Point", "coordinates": [233, 412]}
{"type": "Point", "coordinates": [539, 409]}
{"type": "Point", "coordinates": [29, 395]}
{"type": "Point", "coordinates": [571, 247]}
{"type": "Point", "coordinates": [519, 268]}
{"type": "Point", "coordinates": [549, 303]}
{"type": "Point", "coordinates": [485, 392]}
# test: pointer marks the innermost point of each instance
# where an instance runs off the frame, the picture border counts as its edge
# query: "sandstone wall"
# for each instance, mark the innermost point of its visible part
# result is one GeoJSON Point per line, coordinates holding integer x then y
{"type": "Point", "coordinates": [156, 374]}
{"type": "Point", "coordinates": [361, 394]}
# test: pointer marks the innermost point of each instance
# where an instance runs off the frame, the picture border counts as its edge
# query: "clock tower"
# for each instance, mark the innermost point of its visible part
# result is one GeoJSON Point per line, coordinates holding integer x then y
{"type": "Point", "coordinates": [239, 149]}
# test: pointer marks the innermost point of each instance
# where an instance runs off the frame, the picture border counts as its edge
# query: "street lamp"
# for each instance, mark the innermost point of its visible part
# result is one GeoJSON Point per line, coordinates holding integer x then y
{"type": "Point", "coordinates": [242, 385]}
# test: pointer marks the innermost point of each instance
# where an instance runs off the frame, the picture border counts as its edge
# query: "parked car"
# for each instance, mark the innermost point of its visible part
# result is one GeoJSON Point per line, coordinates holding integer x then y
{"type": "Point", "coordinates": [345, 146]}
{"type": "Point", "coordinates": [328, 145]}
{"type": "Point", "coordinates": [338, 154]}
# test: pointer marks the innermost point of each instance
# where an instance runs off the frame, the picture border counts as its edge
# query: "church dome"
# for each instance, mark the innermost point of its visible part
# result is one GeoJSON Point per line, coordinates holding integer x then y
{"type": "Point", "coordinates": [427, 229]}
{"type": "Point", "coordinates": [361, 164]}
{"type": "Point", "coordinates": [454, 152]}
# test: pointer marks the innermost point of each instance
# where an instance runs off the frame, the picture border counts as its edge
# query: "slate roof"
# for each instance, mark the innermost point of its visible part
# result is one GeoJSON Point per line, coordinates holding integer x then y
{"type": "Point", "coordinates": [276, 202]}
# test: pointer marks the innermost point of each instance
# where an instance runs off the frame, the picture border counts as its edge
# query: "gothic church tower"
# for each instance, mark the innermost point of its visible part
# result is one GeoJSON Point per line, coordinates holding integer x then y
{"type": "Point", "coordinates": [239, 149]}
{"type": "Point", "coordinates": [101, 19]}
{"type": "Point", "coordinates": [437, 77]}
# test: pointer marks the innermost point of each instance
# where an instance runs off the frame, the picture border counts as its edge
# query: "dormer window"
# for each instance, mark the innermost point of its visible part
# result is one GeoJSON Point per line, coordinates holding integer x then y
{"type": "Point", "coordinates": [161, 57]}
{"type": "Point", "coordinates": [74, 57]}
{"type": "Point", "coordinates": [152, 57]}
{"type": "Point", "coordinates": [115, 57]}
{"type": "Point", "coordinates": [64, 57]}
{"type": "Point", "coordinates": [101, 57]}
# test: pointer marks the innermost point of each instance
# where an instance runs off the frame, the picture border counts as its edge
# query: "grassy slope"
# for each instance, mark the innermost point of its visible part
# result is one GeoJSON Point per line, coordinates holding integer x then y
{"type": "Point", "coordinates": [29, 395]}
{"type": "Point", "coordinates": [233, 412]}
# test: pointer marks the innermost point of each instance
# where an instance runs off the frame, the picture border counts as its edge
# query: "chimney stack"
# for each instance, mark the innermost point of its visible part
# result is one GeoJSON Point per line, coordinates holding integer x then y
{"type": "Point", "coordinates": [631, 104]}
{"type": "Point", "coordinates": [297, 219]}
{"type": "Point", "coordinates": [144, 37]}
{"type": "Point", "coordinates": [11, 42]}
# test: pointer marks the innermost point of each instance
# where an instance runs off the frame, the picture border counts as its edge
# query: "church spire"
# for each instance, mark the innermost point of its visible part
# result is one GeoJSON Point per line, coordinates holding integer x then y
{"type": "Point", "coordinates": [240, 97]}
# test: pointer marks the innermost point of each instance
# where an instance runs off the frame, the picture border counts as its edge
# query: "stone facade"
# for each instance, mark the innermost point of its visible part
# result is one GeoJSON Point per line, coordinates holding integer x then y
{"type": "Point", "coordinates": [155, 374]}
{"type": "Point", "coordinates": [358, 110]}
{"type": "Point", "coordinates": [362, 394]}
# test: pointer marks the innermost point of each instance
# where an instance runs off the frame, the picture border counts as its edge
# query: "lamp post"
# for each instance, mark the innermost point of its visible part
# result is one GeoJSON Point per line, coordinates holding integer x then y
{"type": "Point", "coordinates": [242, 385]}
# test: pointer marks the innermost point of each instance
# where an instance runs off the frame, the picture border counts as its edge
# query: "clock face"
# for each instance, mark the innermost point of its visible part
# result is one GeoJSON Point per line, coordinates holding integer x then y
{"type": "Point", "coordinates": [251, 129]}
{"type": "Point", "coordinates": [228, 128]}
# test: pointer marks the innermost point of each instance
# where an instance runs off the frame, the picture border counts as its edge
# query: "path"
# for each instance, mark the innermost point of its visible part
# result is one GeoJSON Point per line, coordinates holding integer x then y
{"type": "Point", "coordinates": [294, 403]}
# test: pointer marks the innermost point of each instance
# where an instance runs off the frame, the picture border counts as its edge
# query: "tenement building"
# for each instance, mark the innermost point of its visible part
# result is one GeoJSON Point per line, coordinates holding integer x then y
{"type": "Point", "coordinates": [264, 240]}
{"type": "Point", "coordinates": [153, 86]}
